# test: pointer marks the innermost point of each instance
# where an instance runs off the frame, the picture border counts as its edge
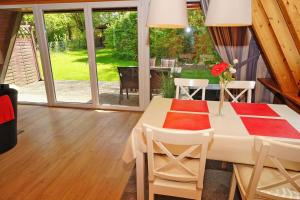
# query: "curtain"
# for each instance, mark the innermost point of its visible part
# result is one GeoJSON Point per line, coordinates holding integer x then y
{"type": "Point", "coordinates": [239, 43]}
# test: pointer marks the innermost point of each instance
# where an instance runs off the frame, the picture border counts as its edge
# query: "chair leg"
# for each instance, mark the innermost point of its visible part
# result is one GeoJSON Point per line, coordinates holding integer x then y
{"type": "Point", "coordinates": [127, 93]}
{"type": "Point", "coordinates": [121, 96]}
{"type": "Point", "coordinates": [232, 187]}
{"type": "Point", "coordinates": [151, 194]}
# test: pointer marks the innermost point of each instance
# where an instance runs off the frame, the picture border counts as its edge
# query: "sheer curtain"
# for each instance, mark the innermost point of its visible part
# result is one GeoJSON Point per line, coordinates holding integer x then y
{"type": "Point", "coordinates": [239, 43]}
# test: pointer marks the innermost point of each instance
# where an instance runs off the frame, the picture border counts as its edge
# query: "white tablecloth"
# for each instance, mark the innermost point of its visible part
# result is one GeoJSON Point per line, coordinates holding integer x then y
{"type": "Point", "coordinates": [231, 142]}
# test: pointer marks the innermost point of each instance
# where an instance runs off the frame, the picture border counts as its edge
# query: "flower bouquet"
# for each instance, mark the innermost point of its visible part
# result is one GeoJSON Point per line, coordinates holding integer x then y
{"type": "Point", "coordinates": [225, 72]}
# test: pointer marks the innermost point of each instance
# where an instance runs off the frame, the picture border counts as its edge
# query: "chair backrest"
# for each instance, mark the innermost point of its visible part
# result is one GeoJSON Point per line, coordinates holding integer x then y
{"type": "Point", "coordinates": [129, 77]}
{"type": "Point", "coordinates": [168, 63]}
{"type": "Point", "coordinates": [152, 62]}
{"type": "Point", "coordinates": [163, 138]}
{"type": "Point", "coordinates": [198, 84]}
{"type": "Point", "coordinates": [247, 86]}
{"type": "Point", "coordinates": [275, 152]}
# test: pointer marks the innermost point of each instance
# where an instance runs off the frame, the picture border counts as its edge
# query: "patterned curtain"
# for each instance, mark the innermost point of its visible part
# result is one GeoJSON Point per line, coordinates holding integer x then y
{"type": "Point", "coordinates": [239, 43]}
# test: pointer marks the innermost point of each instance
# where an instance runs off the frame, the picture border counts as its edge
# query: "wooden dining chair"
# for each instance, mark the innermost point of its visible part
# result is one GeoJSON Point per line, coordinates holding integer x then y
{"type": "Point", "coordinates": [260, 182]}
{"type": "Point", "coordinates": [246, 86]}
{"type": "Point", "coordinates": [182, 83]}
{"type": "Point", "coordinates": [176, 173]}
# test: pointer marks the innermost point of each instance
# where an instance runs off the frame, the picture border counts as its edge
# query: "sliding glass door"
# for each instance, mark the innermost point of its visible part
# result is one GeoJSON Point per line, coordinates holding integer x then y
{"type": "Point", "coordinates": [116, 43]}
{"type": "Point", "coordinates": [92, 55]}
{"type": "Point", "coordinates": [67, 46]}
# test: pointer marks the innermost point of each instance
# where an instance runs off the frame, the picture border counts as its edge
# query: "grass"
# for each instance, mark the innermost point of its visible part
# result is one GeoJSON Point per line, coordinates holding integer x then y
{"type": "Point", "coordinates": [73, 65]}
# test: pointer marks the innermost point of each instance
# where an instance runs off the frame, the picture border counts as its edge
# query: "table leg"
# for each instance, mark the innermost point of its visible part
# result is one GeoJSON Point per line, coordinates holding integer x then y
{"type": "Point", "coordinates": [140, 175]}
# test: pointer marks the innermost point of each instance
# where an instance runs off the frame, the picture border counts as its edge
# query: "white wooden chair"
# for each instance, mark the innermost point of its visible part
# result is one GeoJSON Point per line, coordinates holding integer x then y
{"type": "Point", "coordinates": [182, 84]}
{"type": "Point", "coordinates": [173, 175]}
{"type": "Point", "coordinates": [168, 63]}
{"type": "Point", "coordinates": [247, 86]}
{"type": "Point", "coordinates": [153, 62]}
{"type": "Point", "coordinates": [260, 182]}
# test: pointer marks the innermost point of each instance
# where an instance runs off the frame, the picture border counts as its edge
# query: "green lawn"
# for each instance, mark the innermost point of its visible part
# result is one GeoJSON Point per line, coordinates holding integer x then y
{"type": "Point", "coordinates": [73, 65]}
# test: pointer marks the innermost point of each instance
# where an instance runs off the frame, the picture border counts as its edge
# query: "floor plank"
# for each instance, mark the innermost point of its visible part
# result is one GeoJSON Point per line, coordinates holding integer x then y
{"type": "Point", "coordinates": [67, 154]}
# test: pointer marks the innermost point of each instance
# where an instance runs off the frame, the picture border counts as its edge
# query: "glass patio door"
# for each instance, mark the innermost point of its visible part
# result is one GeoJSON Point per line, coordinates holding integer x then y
{"type": "Point", "coordinates": [94, 55]}
{"type": "Point", "coordinates": [66, 38]}
{"type": "Point", "coordinates": [116, 49]}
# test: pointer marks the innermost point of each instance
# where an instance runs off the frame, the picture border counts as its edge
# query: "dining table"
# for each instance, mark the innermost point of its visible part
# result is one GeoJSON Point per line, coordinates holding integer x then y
{"type": "Point", "coordinates": [234, 131]}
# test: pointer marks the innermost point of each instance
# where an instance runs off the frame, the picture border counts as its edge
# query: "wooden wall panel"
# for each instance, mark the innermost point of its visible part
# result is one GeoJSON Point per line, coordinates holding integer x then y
{"type": "Point", "coordinates": [268, 41]}
{"type": "Point", "coordinates": [7, 20]}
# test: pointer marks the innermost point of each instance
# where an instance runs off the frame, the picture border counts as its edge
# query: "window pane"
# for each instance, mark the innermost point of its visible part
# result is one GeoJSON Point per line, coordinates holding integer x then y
{"type": "Point", "coordinates": [25, 71]}
{"type": "Point", "coordinates": [69, 58]}
{"type": "Point", "coordinates": [190, 50]}
{"type": "Point", "coordinates": [116, 44]}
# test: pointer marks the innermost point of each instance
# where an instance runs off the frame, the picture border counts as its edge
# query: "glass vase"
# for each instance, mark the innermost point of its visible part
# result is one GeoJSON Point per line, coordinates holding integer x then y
{"type": "Point", "coordinates": [222, 96]}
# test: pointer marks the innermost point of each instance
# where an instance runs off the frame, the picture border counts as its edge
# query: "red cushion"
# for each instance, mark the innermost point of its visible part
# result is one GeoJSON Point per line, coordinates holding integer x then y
{"type": "Point", "coordinates": [6, 109]}
{"type": "Point", "coordinates": [186, 121]}
{"type": "Point", "coordinates": [253, 109]}
{"type": "Point", "coordinates": [189, 105]}
{"type": "Point", "coordinates": [270, 127]}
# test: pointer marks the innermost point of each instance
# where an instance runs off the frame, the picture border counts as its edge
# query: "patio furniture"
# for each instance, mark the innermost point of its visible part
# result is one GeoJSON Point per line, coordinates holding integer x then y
{"type": "Point", "coordinates": [8, 130]}
{"type": "Point", "coordinates": [182, 83]}
{"type": "Point", "coordinates": [167, 63]}
{"type": "Point", "coordinates": [156, 79]}
{"type": "Point", "coordinates": [246, 86]}
{"type": "Point", "coordinates": [129, 80]}
{"type": "Point", "coordinates": [152, 62]}
{"type": "Point", "coordinates": [260, 182]}
{"type": "Point", "coordinates": [173, 175]}
{"type": "Point", "coordinates": [232, 141]}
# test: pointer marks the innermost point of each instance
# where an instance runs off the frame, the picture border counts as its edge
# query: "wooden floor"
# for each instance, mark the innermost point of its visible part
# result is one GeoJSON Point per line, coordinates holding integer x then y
{"type": "Point", "coordinates": [67, 154]}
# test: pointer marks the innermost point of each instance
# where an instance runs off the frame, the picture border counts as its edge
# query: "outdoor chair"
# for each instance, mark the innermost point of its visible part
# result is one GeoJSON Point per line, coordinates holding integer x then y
{"type": "Point", "coordinates": [260, 182]}
{"type": "Point", "coordinates": [129, 80]}
{"type": "Point", "coordinates": [183, 84]}
{"type": "Point", "coordinates": [152, 62]}
{"type": "Point", "coordinates": [168, 63]}
{"type": "Point", "coordinates": [176, 174]}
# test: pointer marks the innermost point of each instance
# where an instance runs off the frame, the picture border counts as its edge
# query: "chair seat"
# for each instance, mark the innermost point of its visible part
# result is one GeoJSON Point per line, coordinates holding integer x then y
{"type": "Point", "coordinates": [269, 176]}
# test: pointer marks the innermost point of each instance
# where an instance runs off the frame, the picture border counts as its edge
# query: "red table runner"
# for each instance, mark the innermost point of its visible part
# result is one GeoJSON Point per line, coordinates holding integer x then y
{"type": "Point", "coordinates": [186, 121]}
{"type": "Point", "coordinates": [253, 109]}
{"type": "Point", "coordinates": [270, 127]}
{"type": "Point", "coordinates": [189, 105]}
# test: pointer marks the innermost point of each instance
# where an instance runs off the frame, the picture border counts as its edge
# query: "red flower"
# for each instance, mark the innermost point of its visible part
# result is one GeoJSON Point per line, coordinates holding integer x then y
{"type": "Point", "coordinates": [218, 69]}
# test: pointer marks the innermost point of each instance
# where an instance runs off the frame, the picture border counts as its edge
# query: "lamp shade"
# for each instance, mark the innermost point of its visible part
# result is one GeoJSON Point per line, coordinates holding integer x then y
{"type": "Point", "coordinates": [229, 13]}
{"type": "Point", "coordinates": [168, 14]}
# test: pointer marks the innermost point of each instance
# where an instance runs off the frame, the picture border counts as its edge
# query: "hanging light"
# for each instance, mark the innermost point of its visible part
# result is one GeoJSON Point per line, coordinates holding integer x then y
{"type": "Point", "coordinates": [168, 14]}
{"type": "Point", "coordinates": [229, 13]}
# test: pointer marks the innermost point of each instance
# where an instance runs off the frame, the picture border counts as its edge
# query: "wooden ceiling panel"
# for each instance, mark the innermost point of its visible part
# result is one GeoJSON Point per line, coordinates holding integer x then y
{"type": "Point", "coordinates": [269, 43]}
{"type": "Point", "coordinates": [13, 2]}
{"type": "Point", "coordinates": [283, 36]}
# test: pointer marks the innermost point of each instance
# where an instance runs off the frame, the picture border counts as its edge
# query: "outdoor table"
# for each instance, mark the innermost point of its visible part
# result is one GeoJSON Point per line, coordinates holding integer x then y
{"type": "Point", "coordinates": [231, 141]}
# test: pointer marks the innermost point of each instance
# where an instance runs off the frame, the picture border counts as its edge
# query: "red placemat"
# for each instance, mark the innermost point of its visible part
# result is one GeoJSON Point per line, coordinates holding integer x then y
{"type": "Point", "coordinates": [270, 127]}
{"type": "Point", "coordinates": [186, 121]}
{"type": "Point", "coordinates": [189, 105]}
{"type": "Point", "coordinates": [253, 109]}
